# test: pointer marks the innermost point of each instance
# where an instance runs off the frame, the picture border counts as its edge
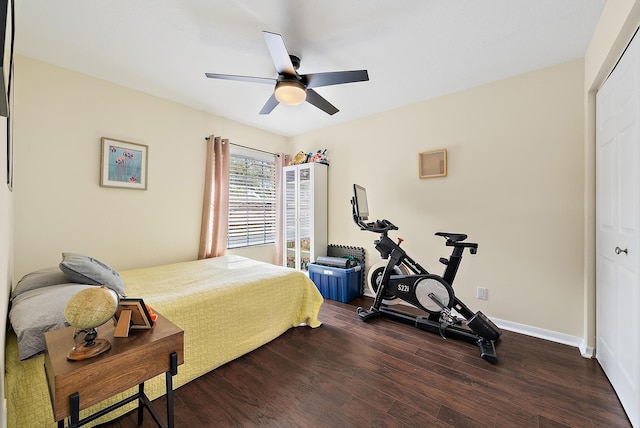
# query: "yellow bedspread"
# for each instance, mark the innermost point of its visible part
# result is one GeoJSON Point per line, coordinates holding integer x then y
{"type": "Point", "coordinates": [227, 306]}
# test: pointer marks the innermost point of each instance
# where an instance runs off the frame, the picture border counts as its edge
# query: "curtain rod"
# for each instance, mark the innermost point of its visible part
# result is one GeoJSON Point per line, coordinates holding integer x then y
{"type": "Point", "coordinates": [250, 148]}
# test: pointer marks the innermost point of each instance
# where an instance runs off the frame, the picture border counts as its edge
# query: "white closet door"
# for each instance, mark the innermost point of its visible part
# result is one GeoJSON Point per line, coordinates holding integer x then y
{"type": "Point", "coordinates": [618, 230]}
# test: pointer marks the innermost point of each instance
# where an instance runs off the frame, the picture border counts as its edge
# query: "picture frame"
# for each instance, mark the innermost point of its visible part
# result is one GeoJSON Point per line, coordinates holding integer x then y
{"type": "Point", "coordinates": [132, 314]}
{"type": "Point", "coordinates": [432, 164]}
{"type": "Point", "coordinates": [7, 18]}
{"type": "Point", "coordinates": [123, 164]}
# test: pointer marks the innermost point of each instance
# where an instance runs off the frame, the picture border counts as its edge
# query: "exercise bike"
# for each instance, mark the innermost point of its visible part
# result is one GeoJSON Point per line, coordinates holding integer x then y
{"type": "Point", "coordinates": [403, 278]}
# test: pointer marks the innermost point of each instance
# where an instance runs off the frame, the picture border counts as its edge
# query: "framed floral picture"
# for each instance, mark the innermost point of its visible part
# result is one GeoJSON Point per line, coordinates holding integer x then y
{"type": "Point", "coordinates": [123, 164]}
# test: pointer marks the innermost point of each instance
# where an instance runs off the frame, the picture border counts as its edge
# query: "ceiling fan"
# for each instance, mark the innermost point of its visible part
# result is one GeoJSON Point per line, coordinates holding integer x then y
{"type": "Point", "coordinates": [292, 88]}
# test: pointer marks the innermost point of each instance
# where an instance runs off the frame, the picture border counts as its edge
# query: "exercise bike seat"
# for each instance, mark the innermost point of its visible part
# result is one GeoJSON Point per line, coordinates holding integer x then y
{"type": "Point", "coordinates": [452, 237]}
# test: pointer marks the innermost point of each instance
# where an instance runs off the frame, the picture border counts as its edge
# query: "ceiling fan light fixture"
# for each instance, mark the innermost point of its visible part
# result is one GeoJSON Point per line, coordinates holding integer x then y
{"type": "Point", "coordinates": [290, 92]}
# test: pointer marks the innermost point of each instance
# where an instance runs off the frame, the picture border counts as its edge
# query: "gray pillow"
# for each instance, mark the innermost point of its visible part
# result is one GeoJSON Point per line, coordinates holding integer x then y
{"type": "Point", "coordinates": [38, 279]}
{"type": "Point", "coordinates": [87, 270]}
{"type": "Point", "coordinates": [35, 312]}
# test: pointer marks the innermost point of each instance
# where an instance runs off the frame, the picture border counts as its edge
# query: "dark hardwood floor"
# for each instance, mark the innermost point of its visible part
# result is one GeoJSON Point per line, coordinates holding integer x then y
{"type": "Point", "coordinates": [348, 373]}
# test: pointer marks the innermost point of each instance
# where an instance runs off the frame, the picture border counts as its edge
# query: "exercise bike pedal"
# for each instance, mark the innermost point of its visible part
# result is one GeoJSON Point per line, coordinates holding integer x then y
{"type": "Point", "coordinates": [366, 315]}
{"type": "Point", "coordinates": [487, 350]}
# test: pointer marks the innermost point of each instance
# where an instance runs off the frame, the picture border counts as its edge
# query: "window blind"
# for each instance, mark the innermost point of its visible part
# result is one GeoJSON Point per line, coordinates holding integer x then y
{"type": "Point", "coordinates": [252, 201]}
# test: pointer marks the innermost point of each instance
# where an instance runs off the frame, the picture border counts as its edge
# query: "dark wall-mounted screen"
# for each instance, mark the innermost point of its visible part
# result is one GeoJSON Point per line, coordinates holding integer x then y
{"type": "Point", "coordinates": [362, 207]}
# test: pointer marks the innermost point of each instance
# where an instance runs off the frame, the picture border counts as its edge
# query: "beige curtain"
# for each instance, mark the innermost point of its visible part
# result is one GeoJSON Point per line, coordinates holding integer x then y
{"type": "Point", "coordinates": [282, 160]}
{"type": "Point", "coordinates": [215, 207]}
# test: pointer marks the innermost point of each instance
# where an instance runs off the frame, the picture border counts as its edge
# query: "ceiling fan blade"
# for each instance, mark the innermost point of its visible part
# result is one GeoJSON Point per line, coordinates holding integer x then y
{"type": "Point", "coordinates": [242, 78]}
{"type": "Point", "coordinates": [315, 80]}
{"type": "Point", "coordinates": [314, 98]}
{"type": "Point", "coordinates": [279, 53]}
{"type": "Point", "coordinates": [270, 104]}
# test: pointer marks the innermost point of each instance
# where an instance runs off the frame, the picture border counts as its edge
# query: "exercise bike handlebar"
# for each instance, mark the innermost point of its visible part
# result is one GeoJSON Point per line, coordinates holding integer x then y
{"type": "Point", "coordinates": [378, 226]}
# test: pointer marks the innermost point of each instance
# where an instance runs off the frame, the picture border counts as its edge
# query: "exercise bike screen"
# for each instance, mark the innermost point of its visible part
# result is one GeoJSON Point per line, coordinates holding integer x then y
{"type": "Point", "coordinates": [360, 195]}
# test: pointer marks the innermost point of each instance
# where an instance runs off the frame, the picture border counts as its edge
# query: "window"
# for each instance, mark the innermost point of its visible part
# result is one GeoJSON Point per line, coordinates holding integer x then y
{"type": "Point", "coordinates": [252, 200]}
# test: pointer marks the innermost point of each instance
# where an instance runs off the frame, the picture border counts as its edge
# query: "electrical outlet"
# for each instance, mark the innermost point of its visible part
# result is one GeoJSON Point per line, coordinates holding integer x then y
{"type": "Point", "coordinates": [481, 293]}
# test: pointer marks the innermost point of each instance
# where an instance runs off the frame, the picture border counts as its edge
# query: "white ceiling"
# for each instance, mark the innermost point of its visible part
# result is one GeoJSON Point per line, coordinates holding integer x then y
{"type": "Point", "coordinates": [413, 49]}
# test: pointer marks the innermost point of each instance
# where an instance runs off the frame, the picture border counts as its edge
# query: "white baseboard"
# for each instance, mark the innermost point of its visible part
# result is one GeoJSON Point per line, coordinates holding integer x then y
{"type": "Point", "coordinates": [587, 351]}
{"type": "Point", "coordinates": [540, 333]}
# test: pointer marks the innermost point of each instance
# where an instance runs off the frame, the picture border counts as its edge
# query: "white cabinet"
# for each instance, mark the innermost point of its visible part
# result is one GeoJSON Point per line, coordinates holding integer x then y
{"type": "Point", "coordinates": [305, 213]}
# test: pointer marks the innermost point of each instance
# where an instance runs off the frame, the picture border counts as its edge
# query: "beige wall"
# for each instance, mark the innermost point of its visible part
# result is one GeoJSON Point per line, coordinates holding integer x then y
{"type": "Point", "coordinates": [60, 118]}
{"type": "Point", "coordinates": [515, 185]}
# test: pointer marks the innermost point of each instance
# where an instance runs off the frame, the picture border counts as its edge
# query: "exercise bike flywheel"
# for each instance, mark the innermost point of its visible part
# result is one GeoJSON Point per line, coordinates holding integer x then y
{"type": "Point", "coordinates": [375, 276]}
{"type": "Point", "coordinates": [434, 294]}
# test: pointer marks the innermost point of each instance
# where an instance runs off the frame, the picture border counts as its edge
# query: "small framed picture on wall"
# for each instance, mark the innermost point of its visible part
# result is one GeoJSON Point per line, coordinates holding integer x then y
{"type": "Point", "coordinates": [432, 164]}
{"type": "Point", "coordinates": [123, 164]}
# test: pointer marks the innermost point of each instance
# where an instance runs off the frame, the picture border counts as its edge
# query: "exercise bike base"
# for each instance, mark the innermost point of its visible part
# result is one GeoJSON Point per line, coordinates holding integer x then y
{"type": "Point", "coordinates": [487, 347]}
{"type": "Point", "coordinates": [487, 350]}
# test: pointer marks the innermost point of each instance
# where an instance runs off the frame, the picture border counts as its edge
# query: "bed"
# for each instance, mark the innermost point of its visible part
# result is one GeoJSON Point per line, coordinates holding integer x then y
{"type": "Point", "coordinates": [227, 307]}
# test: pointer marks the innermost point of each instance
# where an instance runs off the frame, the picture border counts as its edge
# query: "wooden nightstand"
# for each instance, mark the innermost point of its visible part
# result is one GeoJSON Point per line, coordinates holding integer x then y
{"type": "Point", "coordinates": [76, 385]}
